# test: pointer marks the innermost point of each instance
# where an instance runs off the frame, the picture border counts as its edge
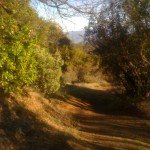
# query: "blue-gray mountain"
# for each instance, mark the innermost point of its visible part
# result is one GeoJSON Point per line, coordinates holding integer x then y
{"type": "Point", "coordinates": [76, 36]}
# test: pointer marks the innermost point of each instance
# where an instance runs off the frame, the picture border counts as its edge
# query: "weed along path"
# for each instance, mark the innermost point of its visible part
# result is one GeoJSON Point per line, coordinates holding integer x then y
{"type": "Point", "coordinates": [104, 120]}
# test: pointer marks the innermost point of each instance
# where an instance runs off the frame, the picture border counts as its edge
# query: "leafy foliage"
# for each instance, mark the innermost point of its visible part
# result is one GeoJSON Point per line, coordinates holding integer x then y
{"type": "Point", "coordinates": [81, 66]}
{"type": "Point", "coordinates": [48, 57]}
{"type": "Point", "coordinates": [49, 71]}
{"type": "Point", "coordinates": [33, 51]}
{"type": "Point", "coordinates": [25, 45]}
{"type": "Point", "coordinates": [17, 63]}
{"type": "Point", "coordinates": [121, 35]}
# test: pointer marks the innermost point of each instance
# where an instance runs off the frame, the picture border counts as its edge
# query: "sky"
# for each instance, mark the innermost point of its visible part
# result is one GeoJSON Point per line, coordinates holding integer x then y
{"type": "Point", "coordinates": [75, 23]}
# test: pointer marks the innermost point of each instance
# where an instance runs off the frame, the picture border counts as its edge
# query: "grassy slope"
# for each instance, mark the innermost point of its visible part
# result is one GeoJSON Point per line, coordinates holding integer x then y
{"type": "Point", "coordinates": [33, 122]}
{"type": "Point", "coordinates": [82, 120]}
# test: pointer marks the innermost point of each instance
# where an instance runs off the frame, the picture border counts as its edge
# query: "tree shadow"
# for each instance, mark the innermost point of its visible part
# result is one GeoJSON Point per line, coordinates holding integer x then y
{"type": "Point", "coordinates": [21, 130]}
{"type": "Point", "coordinates": [107, 102]}
{"type": "Point", "coordinates": [120, 126]}
{"type": "Point", "coordinates": [115, 117]}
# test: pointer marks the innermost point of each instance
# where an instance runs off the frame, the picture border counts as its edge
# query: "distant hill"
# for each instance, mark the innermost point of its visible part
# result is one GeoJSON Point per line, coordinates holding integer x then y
{"type": "Point", "coordinates": [76, 36]}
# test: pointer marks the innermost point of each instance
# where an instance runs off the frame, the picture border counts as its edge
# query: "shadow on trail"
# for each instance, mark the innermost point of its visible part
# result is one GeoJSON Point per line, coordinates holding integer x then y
{"type": "Point", "coordinates": [120, 126]}
{"type": "Point", "coordinates": [21, 130]}
{"type": "Point", "coordinates": [115, 117]}
{"type": "Point", "coordinates": [102, 101]}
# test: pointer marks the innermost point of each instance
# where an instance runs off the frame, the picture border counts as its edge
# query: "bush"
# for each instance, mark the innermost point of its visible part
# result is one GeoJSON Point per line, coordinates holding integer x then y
{"type": "Point", "coordinates": [22, 60]}
{"type": "Point", "coordinates": [69, 76]}
{"type": "Point", "coordinates": [49, 71]}
{"type": "Point", "coordinates": [81, 66]}
{"type": "Point", "coordinates": [17, 61]}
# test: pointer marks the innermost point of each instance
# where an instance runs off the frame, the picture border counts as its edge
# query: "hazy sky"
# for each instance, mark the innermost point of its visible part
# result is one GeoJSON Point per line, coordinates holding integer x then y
{"type": "Point", "coordinates": [69, 24]}
{"type": "Point", "coordinates": [73, 24]}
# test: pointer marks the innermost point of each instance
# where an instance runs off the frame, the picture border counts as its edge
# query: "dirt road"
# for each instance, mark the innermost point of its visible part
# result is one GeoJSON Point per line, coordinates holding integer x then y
{"type": "Point", "coordinates": [105, 121]}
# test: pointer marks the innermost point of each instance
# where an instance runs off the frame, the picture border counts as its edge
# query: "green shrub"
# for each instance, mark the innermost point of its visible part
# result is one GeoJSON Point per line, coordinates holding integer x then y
{"type": "Point", "coordinates": [17, 62]}
{"type": "Point", "coordinates": [49, 71]}
{"type": "Point", "coordinates": [70, 75]}
{"type": "Point", "coordinates": [81, 66]}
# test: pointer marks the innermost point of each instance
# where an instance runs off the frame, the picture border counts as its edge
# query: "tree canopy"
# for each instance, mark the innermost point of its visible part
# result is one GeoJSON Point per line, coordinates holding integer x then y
{"type": "Point", "coordinates": [27, 40]}
{"type": "Point", "coordinates": [121, 35]}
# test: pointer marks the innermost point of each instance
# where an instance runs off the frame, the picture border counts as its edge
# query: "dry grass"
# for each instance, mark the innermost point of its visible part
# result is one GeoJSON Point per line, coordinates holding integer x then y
{"type": "Point", "coordinates": [33, 122]}
{"type": "Point", "coordinates": [144, 106]}
{"type": "Point", "coordinates": [102, 85]}
{"type": "Point", "coordinates": [72, 122]}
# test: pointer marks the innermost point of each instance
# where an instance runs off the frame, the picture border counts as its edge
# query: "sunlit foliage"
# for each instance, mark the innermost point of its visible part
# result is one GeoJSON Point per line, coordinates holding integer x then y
{"type": "Point", "coordinates": [17, 62]}
{"type": "Point", "coordinates": [28, 49]}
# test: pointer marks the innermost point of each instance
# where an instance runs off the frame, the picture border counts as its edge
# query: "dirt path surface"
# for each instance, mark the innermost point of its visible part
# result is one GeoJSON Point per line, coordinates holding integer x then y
{"type": "Point", "coordinates": [104, 121]}
{"type": "Point", "coordinates": [87, 117]}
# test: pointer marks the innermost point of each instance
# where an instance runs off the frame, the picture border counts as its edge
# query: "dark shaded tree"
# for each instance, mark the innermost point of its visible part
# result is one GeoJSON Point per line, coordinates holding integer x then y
{"type": "Point", "coordinates": [121, 35]}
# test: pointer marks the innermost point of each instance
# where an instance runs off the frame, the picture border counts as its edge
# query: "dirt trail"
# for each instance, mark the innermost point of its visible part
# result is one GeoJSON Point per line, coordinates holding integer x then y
{"type": "Point", "coordinates": [89, 117]}
{"type": "Point", "coordinates": [103, 123]}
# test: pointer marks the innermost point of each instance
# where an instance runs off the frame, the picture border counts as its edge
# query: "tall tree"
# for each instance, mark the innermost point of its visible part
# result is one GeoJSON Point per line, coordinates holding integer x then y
{"type": "Point", "coordinates": [121, 35]}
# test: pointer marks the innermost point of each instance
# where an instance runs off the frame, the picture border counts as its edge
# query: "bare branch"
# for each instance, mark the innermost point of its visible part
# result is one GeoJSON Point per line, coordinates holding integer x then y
{"type": "Point", "coordinates": [69, 8]}
{"type": "Point", "coordinates": [5, 8]}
